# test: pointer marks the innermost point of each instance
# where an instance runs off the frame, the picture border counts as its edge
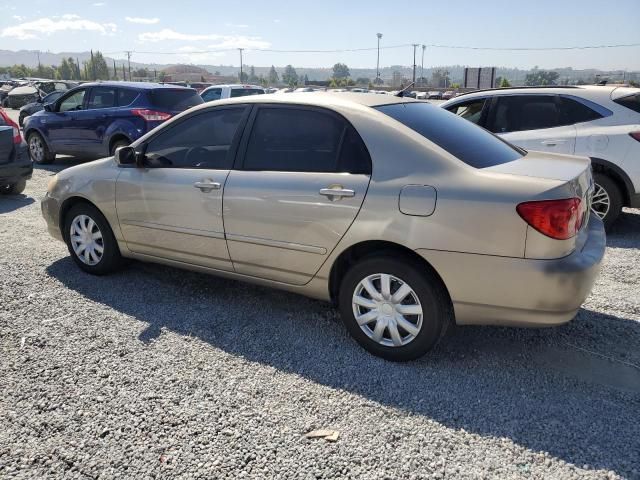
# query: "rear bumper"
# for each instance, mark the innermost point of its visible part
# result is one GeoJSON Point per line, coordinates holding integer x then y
{"type": "Point", "coordinates": [490, 290]}
{"type": "Point", "coordinates": [20, 168]}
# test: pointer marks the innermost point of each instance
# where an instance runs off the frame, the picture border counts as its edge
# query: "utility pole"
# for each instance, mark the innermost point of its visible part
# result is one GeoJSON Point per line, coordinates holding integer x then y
{"type": "Point", "coordinates": [240, 50]}
{"type": "Point", "coordinates": [39, 66]}
{"type": "Point", "coordinates": [379, 35]}
{"type": "Point", "coordinates": [415, 45]}
{"type": "Point", "coordinates": [424, 47]}
{"type": "Point", "coordinates": [129, 63]}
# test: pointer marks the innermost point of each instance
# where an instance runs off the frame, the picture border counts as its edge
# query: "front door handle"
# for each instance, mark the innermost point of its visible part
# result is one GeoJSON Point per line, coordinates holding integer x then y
{"type": "Point", "coordinates": [334, 192]}
{"type": "Point", "coordinates": [207, 185]}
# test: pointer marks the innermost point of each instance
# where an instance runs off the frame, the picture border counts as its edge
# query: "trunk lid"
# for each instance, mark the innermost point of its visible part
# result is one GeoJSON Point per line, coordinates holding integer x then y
{"type": "Point", "coordinates": [6, 143]}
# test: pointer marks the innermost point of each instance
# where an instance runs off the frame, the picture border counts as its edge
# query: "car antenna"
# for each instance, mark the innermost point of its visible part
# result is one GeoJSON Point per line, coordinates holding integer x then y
{"type": "Point", "coordinates": [401, 92]}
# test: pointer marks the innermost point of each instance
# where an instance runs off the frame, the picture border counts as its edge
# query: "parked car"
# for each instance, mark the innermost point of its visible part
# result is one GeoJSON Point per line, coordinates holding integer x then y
{"type": "Point", "coordinates": [15, 166]}
{"type": "Point", "coordinates": [599, 122]}
{"type": "Point", "coordinates": [434, 95]}
{"type": "Point", "coordinates": [38, 105]}
{"type": "Point", "coordinates": [421, 95]}
{"type": "Point", "coordinates": [219, 92]}
{"type": "Point", "coordinates": [371, 202]}
{"type": "Point", "coordinates": [449, 94]}
{"type": "Point", "coordinates": [95, 119]}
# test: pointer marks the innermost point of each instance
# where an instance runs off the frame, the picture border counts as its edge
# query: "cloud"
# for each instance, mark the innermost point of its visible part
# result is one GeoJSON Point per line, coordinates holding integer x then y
{"type": "Point", "coordinates": [142, 20]}
{"type": "Point", "coordinates": [236, 25]}
{"type": "Point", "coordinates": [49, 26]}
{"type": "Point", "coordinates": [18, 17]}
{"type": "Point", "coordinates": [277, 20]}
{"type": "Point", "coordinates": [98, 4]}
{"type": "Point", "coordinates": [221, 41]}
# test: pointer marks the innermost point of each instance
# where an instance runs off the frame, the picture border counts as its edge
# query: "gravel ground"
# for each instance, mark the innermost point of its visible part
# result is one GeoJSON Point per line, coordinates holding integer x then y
{"type": "Point", "coordinates": [159, 373]}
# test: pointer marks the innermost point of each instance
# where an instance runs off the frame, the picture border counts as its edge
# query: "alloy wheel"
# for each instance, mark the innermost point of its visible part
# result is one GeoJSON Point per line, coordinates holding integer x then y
{"type": "Point", "coordinates": [387, 310]}
{"type": "Point", "coordinates": [86, 240]}
{"type": "Point", "coordinates": [36, 149]}
{"type": "Point", "coordinates": [601, 202]}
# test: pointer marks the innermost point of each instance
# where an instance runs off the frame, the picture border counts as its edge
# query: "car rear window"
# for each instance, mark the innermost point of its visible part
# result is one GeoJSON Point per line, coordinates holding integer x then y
{"type": "Point", "coordinates": [170, 99]}
{"type": "Point", "coordinates": [245, 92]}
{"type": "Point", "coordinates": [632, 102]}
{"type": "Point", "coordinates": [470, 143]}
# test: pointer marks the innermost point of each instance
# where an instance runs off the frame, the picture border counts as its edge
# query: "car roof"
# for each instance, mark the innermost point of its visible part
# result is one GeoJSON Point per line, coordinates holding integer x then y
{"type": "Point", "coordinates": [592, 92]}
{"type": "Point", "coordinates": [235, 85]}
{"type": "Point", "coordinates": [320, 99]}
{"type": "Point", "coordinates": [136, 85]}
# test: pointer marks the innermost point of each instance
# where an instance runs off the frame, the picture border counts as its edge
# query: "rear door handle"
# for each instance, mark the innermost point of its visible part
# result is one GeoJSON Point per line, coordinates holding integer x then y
{"type": "Point", "coordinates": [335, 192]}
{"type": "Point", "coordinates": [553, 142]}
{"type": "Point", "coordinates": [207, 186]}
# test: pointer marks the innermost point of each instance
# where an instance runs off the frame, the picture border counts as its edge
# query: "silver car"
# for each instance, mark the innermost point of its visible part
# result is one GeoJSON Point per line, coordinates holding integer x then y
{"type": "Point", "coordinates": [406, 216]}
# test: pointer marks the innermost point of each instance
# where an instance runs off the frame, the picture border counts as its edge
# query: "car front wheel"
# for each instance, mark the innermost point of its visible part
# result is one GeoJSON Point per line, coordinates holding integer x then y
{"type": "Point", "coordinates": [607, 200]}
{"type": "Point", "coordinates": [90, 240]}
{"type": "Point", "coordinates": [394, 309]}
{"type": "Point", "coordinates": [38, 150]}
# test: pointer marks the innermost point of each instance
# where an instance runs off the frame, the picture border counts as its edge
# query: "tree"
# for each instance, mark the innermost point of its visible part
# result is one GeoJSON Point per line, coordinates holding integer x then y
{"type": "Point", "coordinates": [340, 70]}
{"type": "Point", "coordinates": [66, 71]}
{"type": "Point", "coordinates": [541, 77]}
{"type": "Point", "coordinates": [253, 78]}
{"type": "Point", "coordinates": [273, 76]}
{"type": "Point", "coordinates": [504, 83]}
{"type": "Point", "coordinates": [244, 78]}
{"type": "Point", "coordinates": [141, 73]}
{"type": "Point", "coordinates": [290, 76]}
{"type": "Point", "coordinates": [96, 68]}
{"type": "Point", "coordinates": [362, 81]}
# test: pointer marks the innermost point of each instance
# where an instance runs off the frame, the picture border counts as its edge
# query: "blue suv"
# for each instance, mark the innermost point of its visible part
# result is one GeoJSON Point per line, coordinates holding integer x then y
{"type": "Point", "coordinates": [93, 120]}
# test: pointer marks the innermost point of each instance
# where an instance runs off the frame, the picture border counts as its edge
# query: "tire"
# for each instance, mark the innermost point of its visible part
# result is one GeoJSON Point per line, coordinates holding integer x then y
{"type": "Point", "coordinates": [607, 199]}
{"type": "Point", "coordinates": [38, 150]}
{"type": "Point", "coordinates": [426, 293]}
{"type": "Point", "coordinates": [117, 144]}
{"type": "Point", "coordinates": [94, 222]}
{"type": "Point", "coordinates": [21, 119]}
{"type": "Point", "coordinates": [14, 188]}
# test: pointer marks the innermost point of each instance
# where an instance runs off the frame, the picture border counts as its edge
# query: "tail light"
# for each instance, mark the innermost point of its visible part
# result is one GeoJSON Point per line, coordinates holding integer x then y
{"type": "Point", "coordinates": [17, 138]}
{"type": "Point", "coordinates": [151, 115]}
{"type": "Point", "coordinates": [635, 135]}
{"type": "Point", "coordinates": [558, 219]}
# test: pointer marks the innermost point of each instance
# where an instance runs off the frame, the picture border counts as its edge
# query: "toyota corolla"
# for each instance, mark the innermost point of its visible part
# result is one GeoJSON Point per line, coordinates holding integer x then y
{"type": "Point", "coordinates": [407, 217]}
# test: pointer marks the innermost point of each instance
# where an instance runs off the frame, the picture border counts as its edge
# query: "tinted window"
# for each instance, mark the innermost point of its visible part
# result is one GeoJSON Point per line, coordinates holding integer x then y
{"type": "Point", "coordinates": [73, 102]}
{"type": "Point", "coordinates": [354, 156]}
{"type": "Point", "coordinates": [172, 100]}
{"type": "Point", "coordinates": [632, 102]}
{"type": "Point", "coordinates": [52, 97]}
{"type": "Point", "coordinates": [201, 141]}
{"type": "Point", "coordinates": [471, 111]}
{"type": "Point", "coordinates": [466, 141]}
{"type": "Point", "coordinates": [126, 97]}
{"type": "Point", "coordinates": [294, 140]}
{"type": "Point", "coordinates": [575, 112]}
{"type": "Point", "coordinates": [244, 92]}
{"type": "Point", "coordinates": [102, 97]}
{"type": "Point", "coordinates": [524, 112]}
{"type": "Point", "coordinates": [211, 95]}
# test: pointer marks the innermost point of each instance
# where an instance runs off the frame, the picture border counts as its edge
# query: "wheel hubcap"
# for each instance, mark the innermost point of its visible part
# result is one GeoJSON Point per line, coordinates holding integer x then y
{"type": "Point", "coordinates": [36, 149]}
{"type": "Point", "coordinates": [387, 309]}
{"type": "Point", "coordinates": [600, 203]}
{"type": "Point", "coordinates": [86, 240]}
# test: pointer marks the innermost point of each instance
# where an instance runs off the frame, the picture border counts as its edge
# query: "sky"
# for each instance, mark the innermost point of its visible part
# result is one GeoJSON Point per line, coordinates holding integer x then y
{"type": "Point", "coordinates": [187, 28]}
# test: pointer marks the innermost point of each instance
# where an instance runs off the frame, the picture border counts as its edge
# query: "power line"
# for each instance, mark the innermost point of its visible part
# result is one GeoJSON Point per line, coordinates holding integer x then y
{"type": "Point", "coordinates": [586, 47]}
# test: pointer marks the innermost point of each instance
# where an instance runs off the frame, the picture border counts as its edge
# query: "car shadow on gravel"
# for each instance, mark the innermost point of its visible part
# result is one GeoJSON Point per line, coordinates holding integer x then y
{"type": "Point", "coordinates": [625, 232]}
{"type": "Point", "coordinates": [9, 203]}
{"type": "Point", "coordinates": [552, 390]}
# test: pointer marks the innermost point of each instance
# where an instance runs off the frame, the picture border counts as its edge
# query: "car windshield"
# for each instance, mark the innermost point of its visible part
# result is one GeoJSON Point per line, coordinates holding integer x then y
{"type": "Point", "coordinates": [169, 99]}
{"type": "Point", "coordinates": [472, 144]}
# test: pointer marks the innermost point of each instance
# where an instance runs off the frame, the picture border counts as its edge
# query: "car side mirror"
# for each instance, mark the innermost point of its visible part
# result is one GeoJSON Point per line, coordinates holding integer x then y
{"type": "Point", "coordinates": [49, 107]}
{"type": "Point", "coordinates": [126, 156]}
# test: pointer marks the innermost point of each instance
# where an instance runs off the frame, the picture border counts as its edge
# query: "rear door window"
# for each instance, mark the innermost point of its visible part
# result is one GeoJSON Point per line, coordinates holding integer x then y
{"type": "Point", "coordinates": [471, 110]}
{"type": "Point", "coordinates": [632, 102]}
{"type": "Point", "coordinates": [126, 97]}
{"type": "Point", "coordinates": [469, 143]}
{"type": "Point", "coordinates": [304, 140]}
{"type": "Point", "coordinates": [515, 113]}
{"type": "Point", "coordinates": [212, 94]}
{"type": "Point", "coordinates": [174, 100]}
{"type": "Point", "coordinates": [102, 97]}
{"type": "Point", "coordinates": [200, 141]}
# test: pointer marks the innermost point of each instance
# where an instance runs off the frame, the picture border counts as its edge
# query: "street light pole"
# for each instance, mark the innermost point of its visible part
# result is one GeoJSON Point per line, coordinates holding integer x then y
{"type": "Point", "coordinates": [415, 45]}
{"type": "Point", "coordinates": [424, 47]}
{"type": "Point", "coordinates": [379, 35]}
{"type": "Point", "coordinates": [240, 50]}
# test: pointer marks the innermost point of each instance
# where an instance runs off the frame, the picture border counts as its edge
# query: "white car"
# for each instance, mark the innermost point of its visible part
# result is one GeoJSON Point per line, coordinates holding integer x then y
{"type": "Point", "coordinates": [599, 122]}
{"type": "Point", "coordinates": [217, 92]}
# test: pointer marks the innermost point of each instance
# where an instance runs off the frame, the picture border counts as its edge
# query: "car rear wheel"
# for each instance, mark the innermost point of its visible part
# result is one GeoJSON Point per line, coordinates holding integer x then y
{"type": "Point", "coordinates": [21, 119]}
{"type": "Point", "coordinates": [607, 199]}
{"type": "Point", "coordinates": [14, 188]}
{"type": "Point", "coordinates": [117, 144]}
{"type": "Point", "coordinates": [90, 240]}
{"type": "Point", "coordinates": [393, 309]}
{"type": "Point", "coordinates": [38, 150]}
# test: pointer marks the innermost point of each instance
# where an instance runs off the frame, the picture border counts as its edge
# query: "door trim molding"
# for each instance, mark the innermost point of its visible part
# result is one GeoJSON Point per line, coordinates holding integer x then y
{"type": "Point", "coordinates": [188, 231]}
{"type": "Point", "coordinates": [277, 244]}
